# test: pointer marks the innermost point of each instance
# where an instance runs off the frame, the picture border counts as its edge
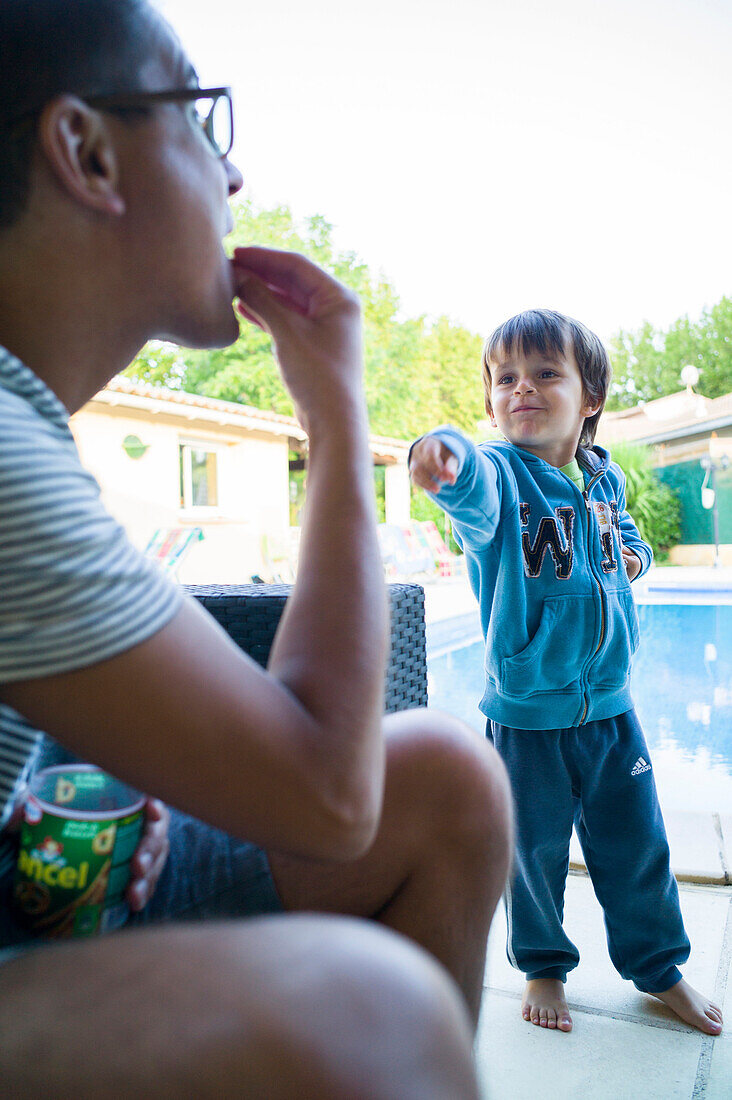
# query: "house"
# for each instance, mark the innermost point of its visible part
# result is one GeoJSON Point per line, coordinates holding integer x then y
{"type": "Point", "coordinates": [168, 460]}
{"type": "Point", "coordinates": [690, 439]}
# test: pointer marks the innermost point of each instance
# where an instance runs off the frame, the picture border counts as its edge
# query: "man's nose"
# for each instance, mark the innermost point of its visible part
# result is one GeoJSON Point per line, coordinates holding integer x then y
{"type": "Point", "coordinates": [234, 177]}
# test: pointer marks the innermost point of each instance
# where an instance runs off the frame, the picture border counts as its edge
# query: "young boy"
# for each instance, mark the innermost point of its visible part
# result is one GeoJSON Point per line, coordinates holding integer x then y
{"type": "Point", "coordinates": [551, 552]}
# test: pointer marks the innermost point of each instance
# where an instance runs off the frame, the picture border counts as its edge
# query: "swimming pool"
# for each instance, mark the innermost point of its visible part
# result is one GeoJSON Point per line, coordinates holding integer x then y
{"type": "Point", "coordinates": [682, 685]}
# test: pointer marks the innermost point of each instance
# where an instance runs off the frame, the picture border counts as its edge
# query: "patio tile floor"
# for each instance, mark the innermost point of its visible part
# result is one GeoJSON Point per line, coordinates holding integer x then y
{"type": "Point", "coordinates": [624, 1045]}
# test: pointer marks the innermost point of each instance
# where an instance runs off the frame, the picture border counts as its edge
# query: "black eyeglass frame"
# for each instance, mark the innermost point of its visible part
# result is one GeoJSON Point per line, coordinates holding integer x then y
{"type": "Point", "coordinates": [134, 100]}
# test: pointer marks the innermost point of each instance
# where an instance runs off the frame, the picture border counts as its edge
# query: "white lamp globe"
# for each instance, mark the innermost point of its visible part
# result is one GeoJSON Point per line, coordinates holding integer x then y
{"type": "Point", "coordinates": [690, 374]}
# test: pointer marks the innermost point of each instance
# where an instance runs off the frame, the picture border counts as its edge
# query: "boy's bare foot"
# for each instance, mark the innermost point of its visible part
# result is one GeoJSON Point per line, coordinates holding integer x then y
{"type": "Point", "coordinates": [545, 1005]}
{"type": "Point", "coordinates": [692, 1007]}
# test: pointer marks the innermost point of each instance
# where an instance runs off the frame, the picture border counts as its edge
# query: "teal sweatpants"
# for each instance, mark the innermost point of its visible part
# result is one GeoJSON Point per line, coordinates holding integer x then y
{"type": "Point", "coordinates": [599, 778]}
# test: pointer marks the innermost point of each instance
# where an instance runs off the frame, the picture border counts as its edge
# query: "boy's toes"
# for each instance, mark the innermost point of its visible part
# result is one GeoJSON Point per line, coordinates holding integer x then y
{"type": "Point", "coordinates": [565, 1022]}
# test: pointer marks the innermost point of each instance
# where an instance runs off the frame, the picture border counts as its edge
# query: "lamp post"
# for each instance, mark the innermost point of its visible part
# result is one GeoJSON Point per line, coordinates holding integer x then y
{"type": "Point", "coordinates": [709, 496]}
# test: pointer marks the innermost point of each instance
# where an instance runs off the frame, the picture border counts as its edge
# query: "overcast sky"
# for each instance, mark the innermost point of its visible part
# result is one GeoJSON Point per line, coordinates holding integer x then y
{"type": "Point", "coordinates": [493, 155]}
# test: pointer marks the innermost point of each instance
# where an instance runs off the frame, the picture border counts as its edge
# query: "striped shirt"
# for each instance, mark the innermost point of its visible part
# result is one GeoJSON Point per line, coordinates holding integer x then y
{"type": "Point", "coordinates": [73, 589]}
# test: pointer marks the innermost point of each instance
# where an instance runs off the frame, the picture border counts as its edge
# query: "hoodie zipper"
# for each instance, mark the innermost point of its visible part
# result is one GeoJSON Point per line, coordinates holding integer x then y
{"type": "Point", "coordinates": [586, 495]}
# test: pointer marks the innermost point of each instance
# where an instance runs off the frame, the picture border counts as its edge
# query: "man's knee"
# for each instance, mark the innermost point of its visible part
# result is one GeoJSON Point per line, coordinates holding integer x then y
{"type": "Point", "coordinates": [461, 775]}
{"type": "Point", "coordinates": [365, 1013]}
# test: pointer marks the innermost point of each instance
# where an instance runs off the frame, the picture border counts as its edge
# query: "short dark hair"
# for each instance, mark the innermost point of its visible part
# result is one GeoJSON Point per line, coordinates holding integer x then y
{"type": "Point", "coordinates": [547, 332]}
{"type": "Point", "coordinates": [52, 47]}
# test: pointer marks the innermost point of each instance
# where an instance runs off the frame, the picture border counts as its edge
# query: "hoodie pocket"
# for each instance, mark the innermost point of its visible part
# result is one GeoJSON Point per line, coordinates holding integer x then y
{"type": "Point", "coordinates": [622, 635]}
{"type": "Point", "coordinates": [554, 657]}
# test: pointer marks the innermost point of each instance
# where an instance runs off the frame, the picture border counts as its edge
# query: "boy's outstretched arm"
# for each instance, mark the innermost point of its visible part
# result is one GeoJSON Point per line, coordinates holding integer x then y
{"type": "Point", "coordinates": [462, 479]}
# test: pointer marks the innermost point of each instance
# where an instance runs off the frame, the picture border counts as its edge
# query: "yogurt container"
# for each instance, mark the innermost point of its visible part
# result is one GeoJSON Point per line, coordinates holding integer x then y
{"type": "Point", "coordinates": [80, 830]}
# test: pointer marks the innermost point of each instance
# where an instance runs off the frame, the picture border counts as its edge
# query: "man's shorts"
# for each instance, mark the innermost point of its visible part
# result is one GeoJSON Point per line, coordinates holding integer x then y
{"type": "Point", "coordinates": [208, 875]}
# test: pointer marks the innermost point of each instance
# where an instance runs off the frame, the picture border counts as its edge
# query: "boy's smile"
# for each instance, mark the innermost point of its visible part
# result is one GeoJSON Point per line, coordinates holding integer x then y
{"type": "Point", "coordinates": [539, 404]}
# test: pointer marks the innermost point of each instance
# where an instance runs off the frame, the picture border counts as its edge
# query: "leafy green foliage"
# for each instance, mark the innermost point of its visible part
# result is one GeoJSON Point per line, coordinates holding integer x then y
{"type": "Point", "coordinates": [653, 506]}
{"type": "Point", "coordinates": [647, 363]}
{"type": "Point", "coordinates": [417, 373]}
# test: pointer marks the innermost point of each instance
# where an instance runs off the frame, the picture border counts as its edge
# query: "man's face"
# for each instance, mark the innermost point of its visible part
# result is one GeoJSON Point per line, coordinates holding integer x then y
{"type": "Point", "coordinates": [539, 404]}
{"type": "Point", "coordinates": [176, 192]}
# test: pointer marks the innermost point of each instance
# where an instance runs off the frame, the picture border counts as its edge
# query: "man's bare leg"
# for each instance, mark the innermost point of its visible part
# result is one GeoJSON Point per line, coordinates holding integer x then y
{"type": "Point", "coordinates": [439, 864]}
{"type": "Point", "coordinates": [545, 1005]}
{"type": "Point", "coordinates": [282, 1008]}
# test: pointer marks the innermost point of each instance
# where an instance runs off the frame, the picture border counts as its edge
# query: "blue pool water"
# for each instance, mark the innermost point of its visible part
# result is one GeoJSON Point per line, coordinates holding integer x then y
{"type": "Point", "coordinates": [682, 685]}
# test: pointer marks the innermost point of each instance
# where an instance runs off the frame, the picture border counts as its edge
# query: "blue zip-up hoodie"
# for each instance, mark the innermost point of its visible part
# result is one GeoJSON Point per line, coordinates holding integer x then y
{"type": "Point", "coordinates": [544, 562]}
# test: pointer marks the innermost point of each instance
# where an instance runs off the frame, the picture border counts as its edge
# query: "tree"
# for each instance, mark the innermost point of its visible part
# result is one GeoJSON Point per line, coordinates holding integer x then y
{"type": "Point", "coordinates": [647, 363]}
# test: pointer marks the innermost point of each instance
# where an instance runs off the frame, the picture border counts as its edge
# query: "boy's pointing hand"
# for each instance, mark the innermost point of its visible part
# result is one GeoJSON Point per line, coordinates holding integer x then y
{"type": "Point", "coordinates": [432, 464]}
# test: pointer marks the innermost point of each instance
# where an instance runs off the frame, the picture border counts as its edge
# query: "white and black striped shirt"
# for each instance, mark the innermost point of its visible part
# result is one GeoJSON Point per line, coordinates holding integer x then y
{"type": "Point", "coordinates": [73, 589]}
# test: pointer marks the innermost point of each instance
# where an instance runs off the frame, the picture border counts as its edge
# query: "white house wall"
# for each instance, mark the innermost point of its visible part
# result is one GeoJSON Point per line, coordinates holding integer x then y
{"type": "Point", "coordinates": [144, 493]}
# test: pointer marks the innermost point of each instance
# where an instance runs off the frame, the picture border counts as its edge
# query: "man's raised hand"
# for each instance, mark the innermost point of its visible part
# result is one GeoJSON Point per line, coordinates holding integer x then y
{"type": "Point", "coordinates": [315, 323]}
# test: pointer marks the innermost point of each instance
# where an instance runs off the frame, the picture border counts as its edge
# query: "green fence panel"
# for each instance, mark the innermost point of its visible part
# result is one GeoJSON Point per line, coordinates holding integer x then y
{"type": "Point", "coordinates": [686, 479]}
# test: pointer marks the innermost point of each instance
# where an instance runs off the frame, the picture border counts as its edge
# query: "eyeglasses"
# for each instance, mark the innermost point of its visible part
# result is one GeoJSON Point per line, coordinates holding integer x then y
{"type": "Point", "coordinates": [211, 108]}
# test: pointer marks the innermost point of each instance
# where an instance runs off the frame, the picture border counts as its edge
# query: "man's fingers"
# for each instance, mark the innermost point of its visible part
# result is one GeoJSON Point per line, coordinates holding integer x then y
{"type": "Point", "coordinates": [285, 278]}
{"type": "Point", "coordinates": [154, 838]}
{"type": "Point", "coordinates": [248, 316]}
{"type": "Point", "coordinates": [291, 280]}
{"type": "Point", "coordinates": [292, 274]}
{"type": "Point", "coordinates": [151, 855]}
{"type": "Point", "coordinates": [257, 302]}
{"type": "Point", "coordinates": [140, 890]}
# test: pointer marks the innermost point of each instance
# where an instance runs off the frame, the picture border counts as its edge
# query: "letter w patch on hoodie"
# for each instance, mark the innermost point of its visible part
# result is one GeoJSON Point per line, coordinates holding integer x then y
{"type": "Point", "coordinates": [549, 538]}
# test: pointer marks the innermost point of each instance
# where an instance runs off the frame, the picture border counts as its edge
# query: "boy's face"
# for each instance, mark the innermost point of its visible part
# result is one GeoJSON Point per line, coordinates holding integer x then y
{"type": "Point", "coordinates": [539, 404]}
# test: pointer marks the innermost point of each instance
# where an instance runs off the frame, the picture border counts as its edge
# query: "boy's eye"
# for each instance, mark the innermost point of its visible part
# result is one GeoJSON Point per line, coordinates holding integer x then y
{"type": "Point", "coordinates": [548, 373]}
{"type": "Point", "coordinates": [505, 378]}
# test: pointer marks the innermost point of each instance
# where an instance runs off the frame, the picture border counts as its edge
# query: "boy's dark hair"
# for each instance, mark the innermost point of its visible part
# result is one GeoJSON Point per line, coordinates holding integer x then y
{"type": "Point", "coordinates": [546, 332]}
{"type": "Point", "coordinates": [52, 47]}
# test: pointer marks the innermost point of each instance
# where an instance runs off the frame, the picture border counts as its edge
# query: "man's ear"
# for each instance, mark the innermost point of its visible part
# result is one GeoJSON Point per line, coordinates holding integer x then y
{"type": "Point", "coordinates": [79, 149]}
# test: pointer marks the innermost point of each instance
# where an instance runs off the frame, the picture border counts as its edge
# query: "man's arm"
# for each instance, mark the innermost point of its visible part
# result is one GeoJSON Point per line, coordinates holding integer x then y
{"type": "Point", "coordinates": [291, 758]}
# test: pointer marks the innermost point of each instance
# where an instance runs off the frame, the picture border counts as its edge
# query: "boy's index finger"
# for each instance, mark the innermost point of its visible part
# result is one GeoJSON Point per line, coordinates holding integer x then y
{"type": "Point", "coordinates": [451, 468]}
